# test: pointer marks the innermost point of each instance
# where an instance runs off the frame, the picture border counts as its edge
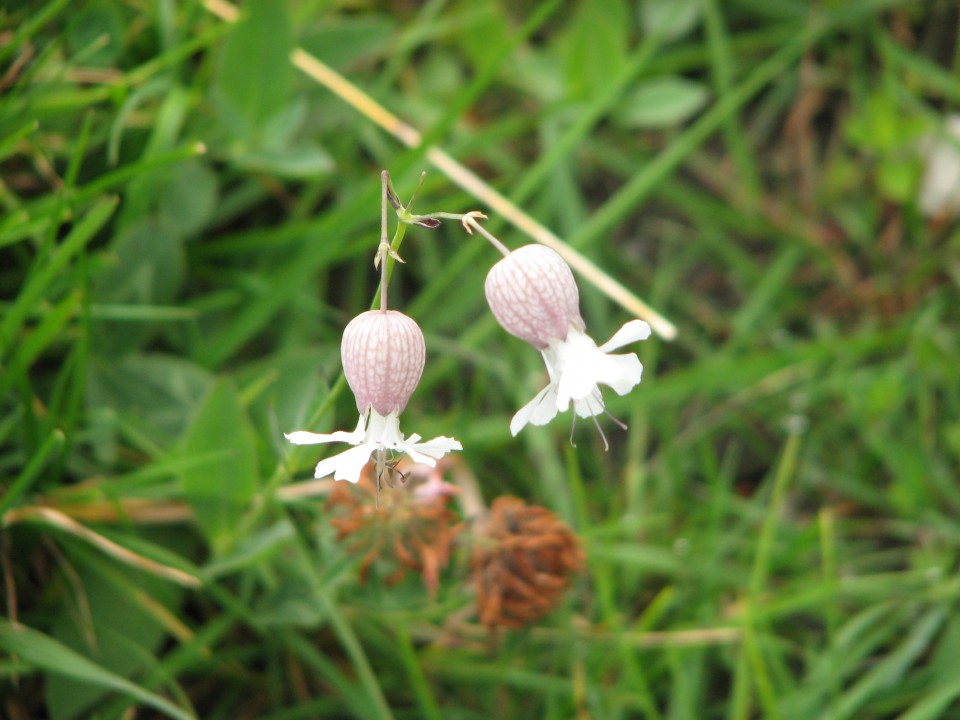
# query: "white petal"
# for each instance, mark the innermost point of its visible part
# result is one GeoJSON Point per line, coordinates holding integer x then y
{"type": "Point", "coordinates": [631, 332]}
{"type": "Point", "coordinates": [589, 406]}
{"type": "Point", "coordinates": [429, 452]}
{"type": "Point", "coordinates": [579, 365]}
{"type": "Point", "coordinates": [347, 465]}
{"type": "Point", "coordinates": [420, 457]}
{"type": "Point", "coordinates": [303, 437]}
{"type": "Point", "coordinates": [940, 190]}
{"type": "Point", "coordinates": [580, 381]}
{"type": "Point", "coordinates": [551, 358]}
{"type": "Point", "coordinates": [436, 448]}
{"type": "Point", "coordinates": [539, 411]}
{"type": "Point", "coordinates": [546, 410]}
{"type": "Point", "coordinates": [629, 371]}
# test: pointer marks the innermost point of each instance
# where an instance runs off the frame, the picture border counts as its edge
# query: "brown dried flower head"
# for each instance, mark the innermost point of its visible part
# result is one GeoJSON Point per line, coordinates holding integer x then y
{"type": "Point", "coordinates": [411, 530]}
{"type": "Point", "coordinates": [522, 564]}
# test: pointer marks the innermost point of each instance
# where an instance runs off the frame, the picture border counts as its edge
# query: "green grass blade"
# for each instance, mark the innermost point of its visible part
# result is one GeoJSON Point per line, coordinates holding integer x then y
{"type": "Point", "coordinates": [642, 184]}
{"type": "Point", "coordinates": [221, 491]}
{"type": "Point", "coordinates": [933, 705]}
{"type": "Point", "coordinates": [891, 669]}
{"type": "Point", "coordinates": [44, 652]}
{"type": "Point", "coordinates": [31, 471]}
{"type": "Point", "coordinates": [37, 20]}
{"type": "Point", "coordinates": [82, 233]}
{"type": "Point", "coordinates": [718, 43]}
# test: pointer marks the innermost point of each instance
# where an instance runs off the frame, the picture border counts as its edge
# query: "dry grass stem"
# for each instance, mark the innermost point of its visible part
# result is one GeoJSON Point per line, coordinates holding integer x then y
{"type": "Point", "coordinates": [698, 637]}
{"type": "Point", "coordinates": [57, 519]}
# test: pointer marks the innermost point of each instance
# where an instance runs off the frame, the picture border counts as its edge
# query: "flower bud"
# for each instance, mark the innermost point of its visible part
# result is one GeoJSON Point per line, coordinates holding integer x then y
{"type": "Point", "coordinates": [533, 295]}
{"type": "Point", "coordinates": [383, 354]}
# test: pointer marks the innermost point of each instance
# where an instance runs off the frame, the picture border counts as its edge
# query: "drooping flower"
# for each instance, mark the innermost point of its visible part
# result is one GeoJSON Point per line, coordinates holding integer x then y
{"type": "Point", "coordinates": [534, 296]}
{"type": "Point", "coordinates": [383, 355]}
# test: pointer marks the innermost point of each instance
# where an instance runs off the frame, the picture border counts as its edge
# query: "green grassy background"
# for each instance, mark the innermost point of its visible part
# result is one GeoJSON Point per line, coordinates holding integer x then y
{"type": "Point", "coordinates": [188, 223]}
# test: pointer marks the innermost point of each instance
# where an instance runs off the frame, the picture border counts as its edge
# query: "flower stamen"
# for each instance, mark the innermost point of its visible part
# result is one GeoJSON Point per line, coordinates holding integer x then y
{"type": "Point", "coordinates": [620, 423]}
{"type": "Point", "coordinates": [533, 295]}
{"type": "Point", "coordinates": [606, 445]}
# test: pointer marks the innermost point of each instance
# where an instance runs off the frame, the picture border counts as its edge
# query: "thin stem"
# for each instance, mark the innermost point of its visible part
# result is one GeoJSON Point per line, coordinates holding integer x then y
{"type": "Point", "coordinates": [383, 250]}
{"type": "Point", "coordinates": [471, 183]}
{"type": "Point", "coordinates": [384, 192]}
{"type": "Point", "coordinates": [416, 191]}
{"type": "Point", "coordinates": [470, 223]}
{"type": "Point", "coordinates": [446, 216]}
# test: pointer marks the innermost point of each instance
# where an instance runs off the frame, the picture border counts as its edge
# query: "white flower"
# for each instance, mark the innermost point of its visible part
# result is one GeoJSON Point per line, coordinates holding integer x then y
{"type": "Point", "coordinates": [533, 295]}
{"type": "Point", "coordinates": [383, 354]}
{"type": "Point", "coordinates": [939, 192]}
{"type": "Point", "coordinates": [375, 434]}
{"type": "Point", "coordinates": [577, 367]}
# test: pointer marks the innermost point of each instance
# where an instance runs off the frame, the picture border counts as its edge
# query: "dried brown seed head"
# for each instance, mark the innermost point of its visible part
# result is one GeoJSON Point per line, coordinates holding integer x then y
{"type": "Point", "coordinates": [522, 564]}
{"type": "Point", "coordinates": [407, 532]}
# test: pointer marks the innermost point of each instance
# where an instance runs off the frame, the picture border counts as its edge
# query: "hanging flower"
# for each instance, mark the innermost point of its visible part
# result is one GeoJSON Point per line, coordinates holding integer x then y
{"type": "Point", "coordinates": [533, 295]}
{"type": "Point", "coordinates": [383, 354]}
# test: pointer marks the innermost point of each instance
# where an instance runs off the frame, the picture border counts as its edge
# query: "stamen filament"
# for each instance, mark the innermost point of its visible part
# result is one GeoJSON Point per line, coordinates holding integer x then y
{"type": "Point", "coordinates": [618, 421]}
{"type": "Point", "coordinates": [379, 466]}
{"type": "Point", "coordinates": [606, 445]}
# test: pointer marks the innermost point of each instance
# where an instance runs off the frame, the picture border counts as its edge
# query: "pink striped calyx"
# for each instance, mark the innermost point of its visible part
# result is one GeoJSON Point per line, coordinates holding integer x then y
{"type": "Point", "coordinates": [533, 295]}
{"type": "Point", "coordinates": [383, 354]}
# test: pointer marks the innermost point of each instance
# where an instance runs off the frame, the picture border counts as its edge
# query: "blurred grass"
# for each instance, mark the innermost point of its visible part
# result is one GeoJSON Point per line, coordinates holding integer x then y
{"type": "Point", "coordinates": [188, 223]}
